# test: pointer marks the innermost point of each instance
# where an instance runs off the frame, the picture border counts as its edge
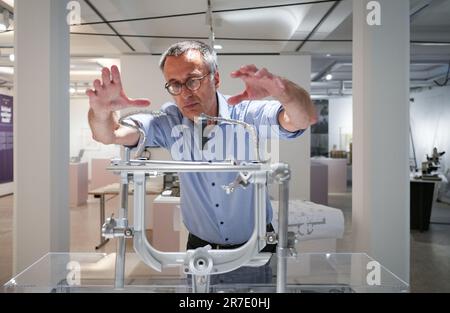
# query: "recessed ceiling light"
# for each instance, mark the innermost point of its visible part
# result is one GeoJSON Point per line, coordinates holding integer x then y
{"type": "Point", "coordinates": [431, 44]}
{"type": "Point", "coordinates": [4, 20]}
{"type": "Point", "coordinates": [328, 55]}
{"type": "Point", "coordinates": [329, 77]}
{"type": "Point", "coordinates": [72, 90]}
{"type": "Point", "coordinates": [12, 57]}
{"type": "Point", "coordinates": [218, 47]}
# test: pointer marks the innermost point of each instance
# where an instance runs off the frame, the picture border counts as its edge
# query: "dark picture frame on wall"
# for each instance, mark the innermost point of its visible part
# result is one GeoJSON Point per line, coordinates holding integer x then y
{"type": "Point", "coordinates": [6, 139]}
{"type": "Point", "coordinates": [319, 131]}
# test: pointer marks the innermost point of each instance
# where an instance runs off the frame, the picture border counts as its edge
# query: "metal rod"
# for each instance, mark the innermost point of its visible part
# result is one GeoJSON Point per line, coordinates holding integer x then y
{"type": "Point", "coordinates": [248, 127]}
{"type": "Point", "coordinates": [187, 168]}
{"type": "Point", "coordinates": [260, 209]}
{"type": "Point", "coordinates": [123, 217]}
{"type": "Point", "coordinates": [132, 162]}
{"type": "Point", "coordinates": [102, 241]}
{"type": "Point", "coordinates": [282, 249]}
{"type": "Point", "coordinates": [102, 217]}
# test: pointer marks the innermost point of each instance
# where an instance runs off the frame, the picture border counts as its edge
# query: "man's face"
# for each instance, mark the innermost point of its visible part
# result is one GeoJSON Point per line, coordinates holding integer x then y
{"type": "Point", "coordinates": [191, 65]}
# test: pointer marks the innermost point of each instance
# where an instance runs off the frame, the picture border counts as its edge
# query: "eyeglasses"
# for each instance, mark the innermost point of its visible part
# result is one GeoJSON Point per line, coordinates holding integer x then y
{"type": "Point", "coordinates": [192, 84]}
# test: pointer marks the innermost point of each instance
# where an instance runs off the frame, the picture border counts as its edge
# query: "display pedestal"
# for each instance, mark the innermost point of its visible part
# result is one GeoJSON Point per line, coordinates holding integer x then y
{"type": "Point", "coordinates": [78, 175]}
{"type": "Point", "coordinates": [308, 272]}
{"type": "Point", "coordinates": [421, 197]}
{"type": "Point", "coordinates": [169, 232]}
{"type": "Point", "coordinates": [337, 174]}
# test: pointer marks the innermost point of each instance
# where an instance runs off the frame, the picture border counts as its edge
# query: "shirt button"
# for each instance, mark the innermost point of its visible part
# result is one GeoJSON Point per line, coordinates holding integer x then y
{"type": "Point", "coordinates": [217, 205]}
{"type": "Point", "coordinates": [221, 223]}
{"type": "Point", "coordinates": [213, 184]}
{"type": "Point", "coordinates": [226, 239]}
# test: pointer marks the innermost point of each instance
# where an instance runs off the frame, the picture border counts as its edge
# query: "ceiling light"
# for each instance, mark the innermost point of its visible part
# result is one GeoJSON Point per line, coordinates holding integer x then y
{"type": "Point", "coordinates": [218, 47]}
{"type": "Point", "coordinates": [328, 55]}
{"type": "Point", "coordinates": [72, 90]}
{"type": "Point", "coordinates": [432, 44]}
{"type": "Point", "coordinates": [6, 70]}
{"type": "Point", "coordinates": [9, 2]}
{"type": "Point", "coordinates": [86, 72]}
{"type": "Point", "coordinates": [12, 57]}
{"type": "Point", "coordinates": [329, 77]}
{"type": "Point", "coordinates": [4, 20]}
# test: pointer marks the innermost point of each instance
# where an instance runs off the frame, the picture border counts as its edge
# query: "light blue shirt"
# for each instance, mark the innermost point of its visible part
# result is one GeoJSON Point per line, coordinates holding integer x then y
{"type": "Point", "coordinates": [207, 211]}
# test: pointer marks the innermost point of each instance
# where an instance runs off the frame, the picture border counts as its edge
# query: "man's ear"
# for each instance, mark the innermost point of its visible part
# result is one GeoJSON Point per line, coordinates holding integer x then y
{"type": "Point", "coordinates": [217, 79]}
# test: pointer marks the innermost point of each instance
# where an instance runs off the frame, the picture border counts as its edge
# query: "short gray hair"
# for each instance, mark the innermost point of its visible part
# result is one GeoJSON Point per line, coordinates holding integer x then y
{"type": "Point", "coordinates": [208, 54]}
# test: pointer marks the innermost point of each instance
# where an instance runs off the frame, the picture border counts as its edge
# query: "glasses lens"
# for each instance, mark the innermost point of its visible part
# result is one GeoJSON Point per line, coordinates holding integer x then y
{"type": "Point", "coordinates": [193, 84]}
{"type": "Point", "coordinates": [174, 88]}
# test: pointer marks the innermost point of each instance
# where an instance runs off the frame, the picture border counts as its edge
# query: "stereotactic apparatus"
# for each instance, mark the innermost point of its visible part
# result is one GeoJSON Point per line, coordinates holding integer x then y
{"type": "Point", "coordinates": [201, 262]}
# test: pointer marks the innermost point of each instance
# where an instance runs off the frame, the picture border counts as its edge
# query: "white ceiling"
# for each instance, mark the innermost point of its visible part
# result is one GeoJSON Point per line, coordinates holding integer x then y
{"type": "Point", "coordinates": [274, 23]}
{"type": "Point", "coordinates": [432, 23]}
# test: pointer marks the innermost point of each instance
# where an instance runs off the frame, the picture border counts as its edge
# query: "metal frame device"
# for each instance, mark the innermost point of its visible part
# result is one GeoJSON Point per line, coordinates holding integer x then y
{"type": "Point", "coordinates": [201, 262]}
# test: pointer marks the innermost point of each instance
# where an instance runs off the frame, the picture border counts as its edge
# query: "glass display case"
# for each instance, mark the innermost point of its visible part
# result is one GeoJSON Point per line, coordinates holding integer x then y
{"type": "Point", "coordinates": [306, 273]}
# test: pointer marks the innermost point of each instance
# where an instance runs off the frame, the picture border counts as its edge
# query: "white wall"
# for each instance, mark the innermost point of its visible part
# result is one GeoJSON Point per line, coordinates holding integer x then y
{"type": "Point", "coordinates": [142, 78]}
{"type": "Point", "coordinates": [340, 122]}
{"type": "Point", "coordinates": [81, 135]}
{"type": "Point", "coordinates": [8, 188]}
{"type": "Point", "coordinates": [430, 123]}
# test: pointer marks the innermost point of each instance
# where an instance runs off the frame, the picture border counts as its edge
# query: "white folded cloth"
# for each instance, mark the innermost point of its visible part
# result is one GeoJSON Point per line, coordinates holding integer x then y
{"type": "Point", "coordinates": [311, 221]}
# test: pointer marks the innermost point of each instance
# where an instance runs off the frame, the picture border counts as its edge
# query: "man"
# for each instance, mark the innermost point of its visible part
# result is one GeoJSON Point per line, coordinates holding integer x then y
{"type": "Point", "coordinates": [190, 70]}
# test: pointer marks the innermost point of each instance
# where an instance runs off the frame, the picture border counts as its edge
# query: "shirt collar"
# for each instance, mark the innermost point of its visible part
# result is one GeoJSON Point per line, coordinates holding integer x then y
{"type": "Point", "coordinates": [224, 107]}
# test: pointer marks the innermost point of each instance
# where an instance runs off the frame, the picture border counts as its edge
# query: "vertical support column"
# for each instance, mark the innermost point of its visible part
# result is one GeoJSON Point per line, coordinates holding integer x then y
{"type": "Point", "coordinates": [260, 183]}
{"type": "Point", "coordinates": [282, 249]}
{"type": "Point", "coordinates": [381, 118]}
{"type": "Point", "coordinates": [41, 126]}
{"type": "Point", "coordinates": [123, 220]}
{"type": "Point", "coordinates": [282, 176]}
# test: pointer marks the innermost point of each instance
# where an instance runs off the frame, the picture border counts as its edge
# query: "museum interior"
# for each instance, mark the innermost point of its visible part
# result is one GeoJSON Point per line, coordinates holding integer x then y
{"type": "Point", "coordinates": [366, 190]}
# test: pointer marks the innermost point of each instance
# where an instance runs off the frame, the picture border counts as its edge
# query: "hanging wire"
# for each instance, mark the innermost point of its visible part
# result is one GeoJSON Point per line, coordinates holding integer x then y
{"type": "Point", "coordinates": [204, 12]}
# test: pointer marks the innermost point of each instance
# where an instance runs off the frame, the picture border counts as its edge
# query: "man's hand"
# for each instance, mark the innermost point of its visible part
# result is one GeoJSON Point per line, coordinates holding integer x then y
{"type": "Point", "coordinates": [109, 96]}
{"type": "Point", "coordinates": [299, 112]}
{"type": "Point", "coordinates": [259, 84]}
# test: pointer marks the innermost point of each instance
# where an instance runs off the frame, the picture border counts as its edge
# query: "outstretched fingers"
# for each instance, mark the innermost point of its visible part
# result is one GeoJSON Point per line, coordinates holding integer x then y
{"type": "Point", "coordinates": [90, 93]}
{"type": "Point", "coordinates": [98, 86]}
{"type": "Point", "coordinates": [116, 79]}
{"type": "Point", "coordinates": [138, 102]}
{"type": "Point", "coordinates": [129, 103]}
{"type": "Point", "coordinates": [244, 71]}
{"type": "Point", "coordinates": [106, 77]}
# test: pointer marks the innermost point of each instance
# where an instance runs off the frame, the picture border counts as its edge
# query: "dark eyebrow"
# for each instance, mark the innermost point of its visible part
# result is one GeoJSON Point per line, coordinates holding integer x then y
{"type": "Point", "coordinates": [188, 77]}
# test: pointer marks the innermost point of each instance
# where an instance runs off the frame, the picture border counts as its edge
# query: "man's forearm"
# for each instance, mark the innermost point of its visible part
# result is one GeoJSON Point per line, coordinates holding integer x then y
{"type": "Point", "coordinates": [103, 128]}
{"type": "Point", "coordinates": [299, 111]}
